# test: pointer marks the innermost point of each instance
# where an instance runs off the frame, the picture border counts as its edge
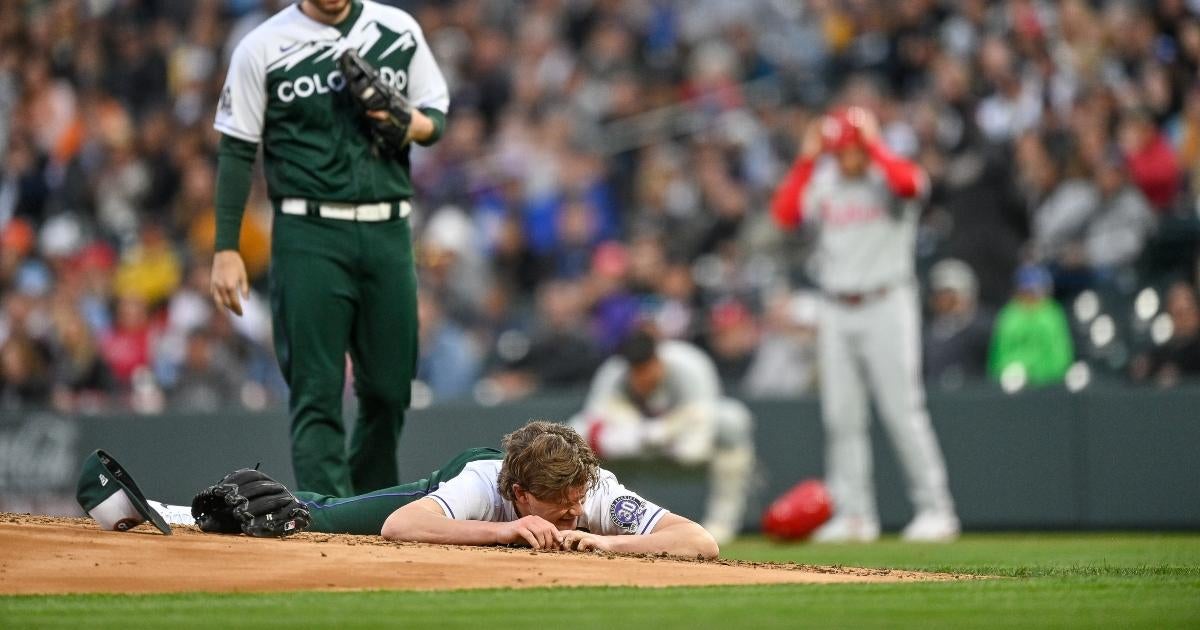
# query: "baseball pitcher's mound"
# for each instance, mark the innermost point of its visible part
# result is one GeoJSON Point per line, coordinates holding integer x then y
{"type": "Point", "coordinates": [60, 555]}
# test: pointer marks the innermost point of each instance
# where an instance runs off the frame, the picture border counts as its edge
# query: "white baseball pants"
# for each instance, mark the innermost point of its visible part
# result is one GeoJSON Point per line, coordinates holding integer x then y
{"type": "Point", "coordinates": [875, 347]}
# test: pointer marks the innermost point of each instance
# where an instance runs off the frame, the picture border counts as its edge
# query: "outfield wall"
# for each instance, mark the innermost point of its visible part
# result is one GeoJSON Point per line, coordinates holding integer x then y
{"type": "Point", "coordinates": [1105, 458]}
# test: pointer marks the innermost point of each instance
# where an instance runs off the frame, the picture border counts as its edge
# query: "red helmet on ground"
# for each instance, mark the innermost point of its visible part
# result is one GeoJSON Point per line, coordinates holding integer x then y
{"type": "Point", "coordinates": [799, 512]}
{"type": "Point", "coordinates": [838, 131]}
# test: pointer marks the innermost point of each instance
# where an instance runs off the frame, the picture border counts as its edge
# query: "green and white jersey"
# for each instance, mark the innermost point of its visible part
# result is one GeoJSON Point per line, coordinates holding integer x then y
{"type": "Point", "coordinates": [284, 90]}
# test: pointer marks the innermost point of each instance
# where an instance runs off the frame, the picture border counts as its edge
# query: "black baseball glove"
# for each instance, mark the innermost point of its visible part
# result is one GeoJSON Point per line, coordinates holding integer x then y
{"type": "Point", "coordinates": [249, 501]}
{"type": "Point", "coordinates": [367, 87]}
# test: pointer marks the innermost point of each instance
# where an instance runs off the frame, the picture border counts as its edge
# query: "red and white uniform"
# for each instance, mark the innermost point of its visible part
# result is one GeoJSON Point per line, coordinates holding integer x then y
{"type": "Point", "coordinates": [869, 339]}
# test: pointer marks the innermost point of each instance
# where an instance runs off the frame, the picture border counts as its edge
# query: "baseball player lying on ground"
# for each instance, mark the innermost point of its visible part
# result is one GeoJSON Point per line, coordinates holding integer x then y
{"type": "Point", "coordinates": [545, 490]}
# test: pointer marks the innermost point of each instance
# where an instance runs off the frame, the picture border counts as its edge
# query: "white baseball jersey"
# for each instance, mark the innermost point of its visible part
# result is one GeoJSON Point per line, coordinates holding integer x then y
{"type": "Point", "coordinates": [683, 411]}
{"type": "Point", "coordinates": [690, 380]}
{"type": "Point", "coordinates": [281, 61]}
{"type": "Point", "coordinates": [866, 234]}
{"type": "Point", "coordinates": [285, 90]}
{"type": "Point", "coordinates": [609, 508]}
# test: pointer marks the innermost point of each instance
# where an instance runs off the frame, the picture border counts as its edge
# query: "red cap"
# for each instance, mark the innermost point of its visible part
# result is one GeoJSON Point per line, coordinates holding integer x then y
{"type": "Point", "coordinates": [838, 132]}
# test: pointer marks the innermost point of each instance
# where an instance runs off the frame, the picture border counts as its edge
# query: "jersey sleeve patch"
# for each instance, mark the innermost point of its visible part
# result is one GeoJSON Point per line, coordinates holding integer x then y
{"type": "Point", "coordinates": [626, 512]}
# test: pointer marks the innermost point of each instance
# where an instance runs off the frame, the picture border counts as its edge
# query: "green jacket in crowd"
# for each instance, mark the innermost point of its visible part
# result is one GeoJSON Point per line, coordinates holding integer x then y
{"type": "Point", "coordinates": [1035, 335]}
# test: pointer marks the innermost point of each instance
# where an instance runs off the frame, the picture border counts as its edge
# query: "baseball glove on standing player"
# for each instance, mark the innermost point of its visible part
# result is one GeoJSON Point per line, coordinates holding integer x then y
{"type": "Point", "coordinates": [388, 131]}
{"type": "Point", "coordinates": [249, 501]}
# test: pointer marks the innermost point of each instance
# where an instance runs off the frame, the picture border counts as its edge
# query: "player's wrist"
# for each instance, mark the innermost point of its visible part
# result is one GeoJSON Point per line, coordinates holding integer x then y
{"type": "Point", "coordinates": [501, 533]}
{"type": "Point", "coordinates": [421, 128]}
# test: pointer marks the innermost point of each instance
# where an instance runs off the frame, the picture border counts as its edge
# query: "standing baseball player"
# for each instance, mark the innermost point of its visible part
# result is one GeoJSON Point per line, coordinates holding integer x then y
{"type": "Point", "coordinates": [334, 91]}
{"type": "Point", "coordinates": [864, 203]}
{"type": "Point", "coordinates": [663, 399]}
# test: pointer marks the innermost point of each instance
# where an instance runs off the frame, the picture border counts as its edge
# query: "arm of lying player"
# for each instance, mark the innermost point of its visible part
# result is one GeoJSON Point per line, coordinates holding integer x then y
{"type": "Point", "coordinates": [673, 534]}
{"type": "Point", "coordinates": [426, 521]}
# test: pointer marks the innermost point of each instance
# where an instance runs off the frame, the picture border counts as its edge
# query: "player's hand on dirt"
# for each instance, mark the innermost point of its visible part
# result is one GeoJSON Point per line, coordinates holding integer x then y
{"type": "Point", "coordinates": [865, 121]}
{"type": "Point", "coordinates": [229, 285]}
{"type": "Point", "coordinates": [812, 144]}
{"type": "Point", "coordinates": [534, 531]}
{"type": "Point", "coordinates": [576, 540]}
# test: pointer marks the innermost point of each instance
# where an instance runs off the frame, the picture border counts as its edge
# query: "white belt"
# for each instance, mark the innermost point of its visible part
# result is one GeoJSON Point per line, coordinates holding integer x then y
{"type": "Point", "coordinates": [381, 211]}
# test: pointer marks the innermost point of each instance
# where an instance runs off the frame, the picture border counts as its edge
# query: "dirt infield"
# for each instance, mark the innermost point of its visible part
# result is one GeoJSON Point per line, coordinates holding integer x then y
{"type": "Point", "coordinates": [61, 555]}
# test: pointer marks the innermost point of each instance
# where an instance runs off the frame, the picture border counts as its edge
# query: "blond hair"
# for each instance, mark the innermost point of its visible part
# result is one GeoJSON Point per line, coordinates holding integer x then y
{"type": "Point", "coordinates": [548, 460]}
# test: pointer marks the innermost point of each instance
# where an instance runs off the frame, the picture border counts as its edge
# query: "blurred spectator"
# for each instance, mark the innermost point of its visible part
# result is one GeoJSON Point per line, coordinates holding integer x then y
{"type": "Point", "coordinates": [16, 242]}
{"type": "Point", "coordinates": [615, 309]}
{"type": "Point", "coordinates": [513, 262]}
{"type": "Point", "coordinates": [1178, 357]}
{"type": "Point", "coordinates": [958, 331]}
{"type": "Point", "coordinates": [1121, 225]}
{"type": "Point", "coordinates": [571, 255]}
{"type": "Point", "coordinates": [1015, 103]}
{"type": "Point", "coordinates": [1152, 163]}
{"type": "Point", "coordinates": [1189, 132]}
{"type": "Point", "coordinates": [626, 147]}
{"type": "Point", "coordinates": [453, 268]}
{"type": "Point", "coordinates": [81, 375]}
{"type": "Point", "coordinates": [24, 375]}
{"type": "Point", "coordinates": [1032, 341]}
{"type": "Point", "coordinates": [1062, 216]}
{"type": "Point", "coordinates": [677, 313]}
{"type": "Point", "coordinates": [985, 223]}
{"type": "Point", "coordinates": [785, 363]}
{"type": "Point", "coordinates": [562, 355]}
{"type": "Point", "coordinates": [151, 270]}
{"type": "Point", "coordinates": [209, 378]}
{"type": "Point", "coordinates": [449, 363]}
{"type": "Point", "coordinates": [128, 347]}
{"type": "Point", "coordinates": [732, 339]}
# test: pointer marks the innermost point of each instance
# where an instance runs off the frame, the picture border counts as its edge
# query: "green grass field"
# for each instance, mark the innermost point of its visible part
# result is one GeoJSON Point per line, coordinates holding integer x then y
{"type": "Point", "coordinates": [1047, 580]}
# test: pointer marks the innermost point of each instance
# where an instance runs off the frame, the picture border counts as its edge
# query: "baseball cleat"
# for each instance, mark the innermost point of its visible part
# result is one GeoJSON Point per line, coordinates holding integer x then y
{"type": "Point", "coordinates": [847, 529]}
{"type": "Point", "coordinates": [936, 527]}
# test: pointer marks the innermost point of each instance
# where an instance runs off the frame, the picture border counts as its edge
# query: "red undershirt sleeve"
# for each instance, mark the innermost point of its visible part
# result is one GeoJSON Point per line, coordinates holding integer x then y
{"type": "Point", "coordinates": [905, 178]}
{"type": "Point", "coordinates": [785, 205]}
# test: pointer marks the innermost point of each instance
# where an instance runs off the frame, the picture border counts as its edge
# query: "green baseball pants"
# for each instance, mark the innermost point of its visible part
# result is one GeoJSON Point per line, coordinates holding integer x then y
{"type": "Point", "coordinates": [339, 286]}
{"type": "Point", "coordinates": [365, 514]}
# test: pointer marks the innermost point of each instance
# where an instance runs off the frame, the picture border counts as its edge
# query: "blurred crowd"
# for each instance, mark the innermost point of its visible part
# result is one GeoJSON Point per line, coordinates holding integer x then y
{"type": "Point", "coordinates": [608, 163]}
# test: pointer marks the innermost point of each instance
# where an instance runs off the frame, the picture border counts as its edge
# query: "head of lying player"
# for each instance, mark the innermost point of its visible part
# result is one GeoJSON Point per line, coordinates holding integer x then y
{"type": "Point", "coordinates": [548, 470]}
{"type": "Point", "coordinates": [548, 492]}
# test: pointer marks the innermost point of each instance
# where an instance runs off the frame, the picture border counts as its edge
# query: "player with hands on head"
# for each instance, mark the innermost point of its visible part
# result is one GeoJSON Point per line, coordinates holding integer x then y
{"type": "Point", "coordinates": [863, 202]}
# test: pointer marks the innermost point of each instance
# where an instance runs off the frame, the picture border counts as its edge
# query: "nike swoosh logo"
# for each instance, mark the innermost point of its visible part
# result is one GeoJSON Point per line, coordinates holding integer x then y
{"type": "Point", "coordinates": [285, 49]}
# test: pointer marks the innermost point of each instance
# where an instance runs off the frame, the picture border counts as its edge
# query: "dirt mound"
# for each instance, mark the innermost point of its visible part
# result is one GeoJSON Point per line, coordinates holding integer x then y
{"type": "Point", "coordinates": [41, 554]}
